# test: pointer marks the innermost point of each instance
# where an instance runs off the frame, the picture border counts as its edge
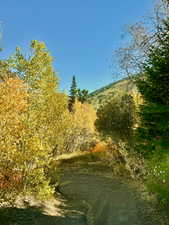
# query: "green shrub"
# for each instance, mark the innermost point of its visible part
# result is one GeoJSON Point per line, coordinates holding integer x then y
{"type": "Point", "coordinates": [116, 117]}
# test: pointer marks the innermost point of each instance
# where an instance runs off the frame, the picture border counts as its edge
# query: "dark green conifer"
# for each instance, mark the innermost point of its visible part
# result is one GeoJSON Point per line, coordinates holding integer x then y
{"type": "Point", "coordinates": [73, 94]}
{"type": "Point", "coordinates": [153, 131]}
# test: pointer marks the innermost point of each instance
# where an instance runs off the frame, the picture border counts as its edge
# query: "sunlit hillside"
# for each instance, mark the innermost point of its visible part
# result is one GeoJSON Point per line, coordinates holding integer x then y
{"type": "Point", "coordinates": [99, 96]}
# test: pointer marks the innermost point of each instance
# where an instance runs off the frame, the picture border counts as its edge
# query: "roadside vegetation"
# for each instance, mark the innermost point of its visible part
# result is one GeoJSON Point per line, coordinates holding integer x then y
{"type": "Point", "coordinates": [36, 124]}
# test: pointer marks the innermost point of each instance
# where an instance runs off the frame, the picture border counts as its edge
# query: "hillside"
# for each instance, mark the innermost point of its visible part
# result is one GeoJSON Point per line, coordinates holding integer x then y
{"type": "Point", "coordinates": [101, 95]}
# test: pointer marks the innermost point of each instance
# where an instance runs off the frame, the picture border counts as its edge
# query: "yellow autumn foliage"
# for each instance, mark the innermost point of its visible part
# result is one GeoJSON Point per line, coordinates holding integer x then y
{"type": "Point", "coordinates": [35, 122]}
{"type": "Point", "coordinates": [13, 107]}
{"type": "Point", "coordinates": [81, 132]}
{"type": "Point", "coordinates": [84, 116]}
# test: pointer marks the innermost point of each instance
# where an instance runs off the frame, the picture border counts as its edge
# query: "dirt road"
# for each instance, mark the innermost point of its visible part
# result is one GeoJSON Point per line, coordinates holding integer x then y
{"type": "Point", "coordinates": [90, 200]}
{"type": "Point", "coordinates": [105, 201]}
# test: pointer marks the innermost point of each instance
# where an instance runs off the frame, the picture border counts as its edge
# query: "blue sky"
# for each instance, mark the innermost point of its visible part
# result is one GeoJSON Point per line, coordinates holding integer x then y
{"type": "Point", "coordinates": [80, 34]}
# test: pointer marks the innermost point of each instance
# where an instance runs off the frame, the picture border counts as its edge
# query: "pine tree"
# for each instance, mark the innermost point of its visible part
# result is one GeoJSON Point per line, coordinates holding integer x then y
{"type": "Point", "coordinates": [73, 94]}
{"type": "Point", "coordinates": [153, 132]}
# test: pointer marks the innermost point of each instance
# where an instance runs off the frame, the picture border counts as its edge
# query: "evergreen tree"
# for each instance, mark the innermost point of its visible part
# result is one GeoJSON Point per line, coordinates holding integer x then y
{"type": "Point", "coordinates": [153, 132]}
{"type": "Point", "coordinates": [82, 95]}
{"type": "Point", "coordinates": [73, 94]}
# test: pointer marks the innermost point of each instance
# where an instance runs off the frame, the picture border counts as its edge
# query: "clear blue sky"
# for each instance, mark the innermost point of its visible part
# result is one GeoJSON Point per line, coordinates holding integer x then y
{"type": "Point", "coordinates": [80, 34]}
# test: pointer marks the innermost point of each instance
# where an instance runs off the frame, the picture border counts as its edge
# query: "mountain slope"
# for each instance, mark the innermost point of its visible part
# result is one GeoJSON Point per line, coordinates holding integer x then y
{"type": "Point", "coordinates": [99, 96]}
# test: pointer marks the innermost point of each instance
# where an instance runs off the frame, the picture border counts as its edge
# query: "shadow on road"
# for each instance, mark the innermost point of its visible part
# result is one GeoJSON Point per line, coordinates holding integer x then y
{"type": "Point", "coordinates": [35, 216]}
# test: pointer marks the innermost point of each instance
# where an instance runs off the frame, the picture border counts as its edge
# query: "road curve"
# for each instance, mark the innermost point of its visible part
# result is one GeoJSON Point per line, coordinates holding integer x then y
{"type": "Point", "coordinates": [105, 201]}
{"type": "Point", "coordinates": [87, 200]}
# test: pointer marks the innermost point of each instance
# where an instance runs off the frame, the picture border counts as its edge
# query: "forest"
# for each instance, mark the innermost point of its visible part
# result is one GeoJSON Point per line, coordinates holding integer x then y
{"type": "Point", "coordinates": [45, 130]}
